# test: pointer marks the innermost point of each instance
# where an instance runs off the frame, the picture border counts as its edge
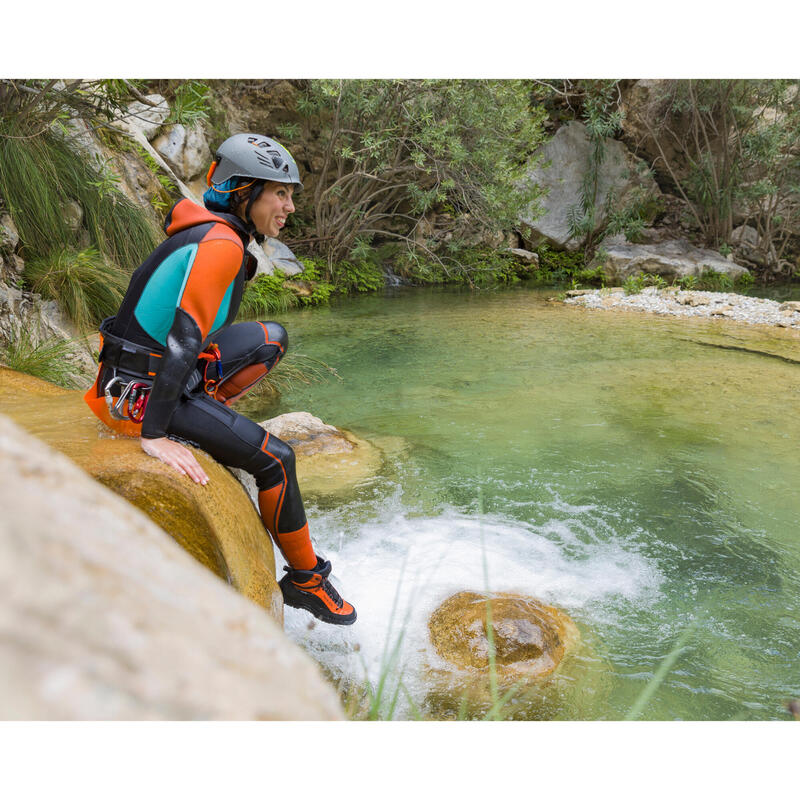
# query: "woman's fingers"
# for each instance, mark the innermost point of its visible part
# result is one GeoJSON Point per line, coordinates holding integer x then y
{"type": "Point", "coordinates": [176, 456]}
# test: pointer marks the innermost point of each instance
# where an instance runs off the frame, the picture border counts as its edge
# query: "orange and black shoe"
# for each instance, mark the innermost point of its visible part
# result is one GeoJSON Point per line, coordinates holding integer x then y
{"type": "Point", "coordinates": [310, 589]}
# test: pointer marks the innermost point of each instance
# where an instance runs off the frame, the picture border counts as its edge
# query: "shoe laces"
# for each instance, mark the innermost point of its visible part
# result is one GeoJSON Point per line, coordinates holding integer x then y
{"type": "Point", "coordinates": [327, 587]}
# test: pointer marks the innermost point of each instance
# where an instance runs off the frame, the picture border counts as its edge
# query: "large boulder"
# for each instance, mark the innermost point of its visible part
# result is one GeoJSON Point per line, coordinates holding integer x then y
{"type": "Point", "coordinates": [279, 256]}
{"type": "Point", "coordinates": [671, 260]}
{"type": "Point", "coordinates": [560, 169]}
{"type": "Point", "coordinates": [105, 617]}
{"type": "Point", "coordinates": [146, 118]}
{"type": "Point", "coordinates": [185, 149]}
{"type": "Point", "coordinates": [216, 523]}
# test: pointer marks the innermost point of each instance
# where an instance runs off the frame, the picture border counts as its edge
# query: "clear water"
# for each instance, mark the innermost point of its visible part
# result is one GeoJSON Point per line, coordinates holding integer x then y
{"type": "Point", "coordinates": [614, 465]}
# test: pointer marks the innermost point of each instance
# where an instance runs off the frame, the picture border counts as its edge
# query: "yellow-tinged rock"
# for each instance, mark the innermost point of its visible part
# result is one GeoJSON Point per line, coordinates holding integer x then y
{"type": "Point", "coordinates": [541, 667]}
{"type": "Point", "coordinates": [216, 523]}
{"type": "Point", "coordinates": [529, 637]}
{"type": "Point", "coordinates": [105, 617]}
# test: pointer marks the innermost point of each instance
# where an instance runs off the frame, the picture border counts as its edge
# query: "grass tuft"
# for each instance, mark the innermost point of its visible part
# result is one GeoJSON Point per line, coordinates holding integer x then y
{"type": "Point", "coordinates": [85, 285]}
{"type": "Point", "coordinates": [40, 175]}
{"type": "Point", "coordinates": [48, 360]}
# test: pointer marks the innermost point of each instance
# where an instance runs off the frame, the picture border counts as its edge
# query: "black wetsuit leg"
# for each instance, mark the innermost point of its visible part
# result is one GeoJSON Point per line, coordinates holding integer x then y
{"type": "Point", "coordinates": [249, 350]}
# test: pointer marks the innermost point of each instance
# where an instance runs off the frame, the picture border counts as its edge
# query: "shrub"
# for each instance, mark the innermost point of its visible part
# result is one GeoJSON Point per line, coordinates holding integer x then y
{"type": "Point", "coordinates": [85, 285]}
{"type": "Point", "coordinates": [266, 295]}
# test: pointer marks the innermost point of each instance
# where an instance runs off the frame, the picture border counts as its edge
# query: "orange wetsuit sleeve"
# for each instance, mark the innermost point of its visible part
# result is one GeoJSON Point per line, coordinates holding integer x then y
{"type": "Point", "coordinates": [214, 268]}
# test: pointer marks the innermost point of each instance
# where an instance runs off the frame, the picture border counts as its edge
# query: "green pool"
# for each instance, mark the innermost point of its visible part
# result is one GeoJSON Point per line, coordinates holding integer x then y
{"type": "Point", "coordinates": [623, 467]}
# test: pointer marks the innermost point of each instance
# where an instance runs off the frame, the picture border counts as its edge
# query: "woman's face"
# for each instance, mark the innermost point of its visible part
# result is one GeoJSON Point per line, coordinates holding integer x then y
{"type": "Point", "coordinates": [272, 207]}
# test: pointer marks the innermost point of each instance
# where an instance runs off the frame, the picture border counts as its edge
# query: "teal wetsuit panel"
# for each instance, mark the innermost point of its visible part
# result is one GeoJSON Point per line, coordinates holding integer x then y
{"type": "Point", "coordinates": [155, 311]}
{"type": "Point", "coordinates": [224, 308]}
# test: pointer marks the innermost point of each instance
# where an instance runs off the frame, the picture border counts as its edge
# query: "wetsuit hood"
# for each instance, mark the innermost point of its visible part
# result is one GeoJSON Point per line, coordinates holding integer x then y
{"type": "Point", "coordinates": [185, 214]}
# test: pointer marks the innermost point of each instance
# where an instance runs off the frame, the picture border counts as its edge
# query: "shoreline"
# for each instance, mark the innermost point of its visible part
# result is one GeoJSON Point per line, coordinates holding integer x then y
{"type": "Point", "coordinates": [675, 302]}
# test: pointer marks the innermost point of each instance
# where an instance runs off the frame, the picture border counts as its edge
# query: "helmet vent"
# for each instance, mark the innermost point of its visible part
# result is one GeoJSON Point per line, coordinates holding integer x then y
{"type": "Point", "coordinates": [275, 163]}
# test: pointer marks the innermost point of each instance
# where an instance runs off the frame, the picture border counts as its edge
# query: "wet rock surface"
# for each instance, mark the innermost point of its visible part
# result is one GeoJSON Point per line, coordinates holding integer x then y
{"type": "Point", "coordinates": [216, 523]}
{"type": "Point", "coordinates": [105, 617]}
{"type": "Point", "coordinates": [529, 636]}
{"type": "Point", "coordinates": [539, 668]}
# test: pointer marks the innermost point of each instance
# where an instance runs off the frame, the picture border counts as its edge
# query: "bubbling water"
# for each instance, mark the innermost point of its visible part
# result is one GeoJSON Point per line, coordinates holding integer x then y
{"type": "Point", "coordinates": [396, 568]}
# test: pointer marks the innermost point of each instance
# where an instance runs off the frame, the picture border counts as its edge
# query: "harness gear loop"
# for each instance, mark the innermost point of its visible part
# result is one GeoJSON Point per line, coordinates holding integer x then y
{"type": "Point", "coordinates": [209, 355]}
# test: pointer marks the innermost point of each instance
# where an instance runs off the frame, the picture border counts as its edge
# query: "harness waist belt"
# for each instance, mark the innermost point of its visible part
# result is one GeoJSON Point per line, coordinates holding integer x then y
{"type": "Point", "coordinates": [128, 356]}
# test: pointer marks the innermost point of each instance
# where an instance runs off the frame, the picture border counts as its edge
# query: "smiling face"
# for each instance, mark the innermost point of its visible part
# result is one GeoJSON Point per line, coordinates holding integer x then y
{"type": "Point", "coordinates": [272, 207]}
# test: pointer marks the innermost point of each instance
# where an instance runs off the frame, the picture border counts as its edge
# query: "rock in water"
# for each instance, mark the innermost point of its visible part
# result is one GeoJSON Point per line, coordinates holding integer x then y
{"type": "Point", "coordinates": [105, 617]}
{"type": "Point", "coordinates": [538, 669]}
{"type": "Point", "coordinates": [529, 637]}
{"type": "Point", "coordinates": [329, 460]}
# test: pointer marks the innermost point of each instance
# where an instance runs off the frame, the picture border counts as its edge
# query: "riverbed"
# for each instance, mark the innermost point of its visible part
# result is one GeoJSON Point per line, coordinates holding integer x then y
{"type": "Point", "coordinates": [638, 472]}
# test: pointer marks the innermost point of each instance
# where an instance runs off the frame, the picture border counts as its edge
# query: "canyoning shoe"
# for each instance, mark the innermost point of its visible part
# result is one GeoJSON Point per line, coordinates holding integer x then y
{"type": "Point", "coordinates": [311, 590]}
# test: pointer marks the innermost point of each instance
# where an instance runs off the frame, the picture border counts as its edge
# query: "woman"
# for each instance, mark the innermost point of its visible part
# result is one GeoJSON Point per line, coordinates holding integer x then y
{"type": "Point", "coordinates": [171, 362]}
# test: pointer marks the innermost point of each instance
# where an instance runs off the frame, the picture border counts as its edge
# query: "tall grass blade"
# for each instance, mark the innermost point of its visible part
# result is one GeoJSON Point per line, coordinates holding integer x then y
{"type": "Point", "coordinates": [85, 285]}
{"type": "Point", "coordinates": [489, 622]}
{"type": "Point", "coordinates": [661, 673]}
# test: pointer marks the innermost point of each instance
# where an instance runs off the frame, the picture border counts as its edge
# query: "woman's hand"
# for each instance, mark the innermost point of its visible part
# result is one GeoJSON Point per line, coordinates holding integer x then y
{"type": "Point", "coordinates": [177, 456]}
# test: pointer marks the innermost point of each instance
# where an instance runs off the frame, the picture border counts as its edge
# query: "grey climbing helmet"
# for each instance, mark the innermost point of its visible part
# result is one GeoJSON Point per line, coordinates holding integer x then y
{"type": "Point", "coordinates": [251, 155]}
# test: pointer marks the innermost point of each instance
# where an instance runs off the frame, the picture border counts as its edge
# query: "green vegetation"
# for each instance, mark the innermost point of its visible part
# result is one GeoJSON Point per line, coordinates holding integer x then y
{"type": "Point", "coordinates": [41, 175]}
{"type": "Point", "coordinates": [397, 149]}
{"type": "Point", "coordinates": [475, 267]}
{"type": "Point", "coordinates": [709, 281]}
{"type": "Point", "coordinates": [729, 147]}
{"type": "Point", "coordinates": [190, 103]}
{"type": "Point", "coordinates": [266, 295]}
{"type": "Point", "coordinates": [87, 287]}
{"type": "Point", "coordinates": [48, 360]}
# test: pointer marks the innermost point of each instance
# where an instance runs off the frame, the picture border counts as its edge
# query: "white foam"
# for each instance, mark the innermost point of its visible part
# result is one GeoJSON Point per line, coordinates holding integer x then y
{"type": "Point", "coordinates": [396, 568]}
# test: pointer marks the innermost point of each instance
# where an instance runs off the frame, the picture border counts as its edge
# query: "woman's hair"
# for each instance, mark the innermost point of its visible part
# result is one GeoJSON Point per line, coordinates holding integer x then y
{"type": "Point", "coordinates": [223, 197]}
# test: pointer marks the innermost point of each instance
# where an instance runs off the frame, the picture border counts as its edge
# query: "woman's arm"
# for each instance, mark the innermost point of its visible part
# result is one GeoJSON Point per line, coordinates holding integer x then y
{"type": "Point", "coordinates": [213, 269]}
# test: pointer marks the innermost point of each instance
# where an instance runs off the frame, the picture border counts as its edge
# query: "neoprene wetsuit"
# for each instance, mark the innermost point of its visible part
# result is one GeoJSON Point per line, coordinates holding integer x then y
{"type": "Point", "coordinates": [180, 303]}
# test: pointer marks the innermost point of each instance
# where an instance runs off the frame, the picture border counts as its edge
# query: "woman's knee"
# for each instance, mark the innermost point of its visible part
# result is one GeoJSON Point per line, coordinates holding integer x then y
{"type": "Point", "coordinates": [276, 334]}
{"type": "Point", "coordinates": [281, 453]}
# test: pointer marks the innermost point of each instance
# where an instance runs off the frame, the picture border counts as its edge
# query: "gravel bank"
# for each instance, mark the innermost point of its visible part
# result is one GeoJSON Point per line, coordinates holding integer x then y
{"type": "Point", "coordinates": [679, 303]}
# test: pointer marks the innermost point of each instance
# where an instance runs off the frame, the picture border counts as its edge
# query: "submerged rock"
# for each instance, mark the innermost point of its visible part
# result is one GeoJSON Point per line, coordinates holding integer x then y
{"type": "Point", "coordinates": [529, 637]}
{"type": "Point", "coordinates": [104, 617]}
{"type": "Point", "coordinates": [538, 667]}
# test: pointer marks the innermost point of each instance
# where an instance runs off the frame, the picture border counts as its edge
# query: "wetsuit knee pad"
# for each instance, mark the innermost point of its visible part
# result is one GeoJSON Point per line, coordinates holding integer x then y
{"type": "Point", "coordinates": [276, 334]}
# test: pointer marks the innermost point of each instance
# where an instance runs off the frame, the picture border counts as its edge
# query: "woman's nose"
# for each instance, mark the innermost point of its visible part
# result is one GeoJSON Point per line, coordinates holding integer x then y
{"type": "Point", "coordinates": [288, 206]}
